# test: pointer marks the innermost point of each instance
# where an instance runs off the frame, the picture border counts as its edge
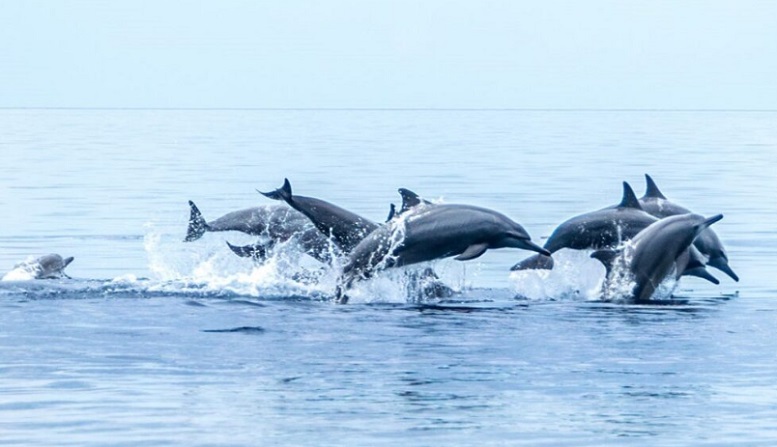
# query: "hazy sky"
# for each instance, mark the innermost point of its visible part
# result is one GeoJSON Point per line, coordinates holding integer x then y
{"type": "Point", "coordinates": [389, 53]}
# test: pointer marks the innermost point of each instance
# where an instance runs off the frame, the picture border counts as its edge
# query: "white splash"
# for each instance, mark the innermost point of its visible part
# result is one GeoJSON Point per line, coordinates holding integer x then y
{"type": "Point", "coordinates": [24, 271]}
{"type": "Point", "coordinates": [574, 276]}
{"type": "Point", "coordinates": [207, 265]}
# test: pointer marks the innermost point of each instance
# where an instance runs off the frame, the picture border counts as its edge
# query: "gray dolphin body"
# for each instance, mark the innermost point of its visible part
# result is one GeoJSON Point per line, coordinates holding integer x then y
{"type": "Point", "coordinates": [276, 221]}
{"type": "Point", "coordinates": [708, 243]}
{"type": "Point", "coordinates": [49, 266]}
{"type": "Point", "coordinates": [604, 228]}
{"type": "Point", "coordinates": [347, 229]}
{"type": "Point", "coordinates": [652, 254]}
{"type": "Point", "coordinates": [433, 232]}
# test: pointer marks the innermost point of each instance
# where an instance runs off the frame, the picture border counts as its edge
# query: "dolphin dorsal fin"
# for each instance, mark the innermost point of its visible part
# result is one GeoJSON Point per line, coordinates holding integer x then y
{"type": "Point", "coordinates": [282, 193]}
{"type": "Point", "coordinates": [392, 212]}
{"type": "Point", "coordinates": [652, 190]}
{"type": "Point", "coordinates": [409, 199]}
{"type": "Point", "coordinates": [629, 198]}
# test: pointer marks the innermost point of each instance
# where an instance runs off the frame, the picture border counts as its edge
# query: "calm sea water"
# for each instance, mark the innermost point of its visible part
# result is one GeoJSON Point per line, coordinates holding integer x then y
{"type": "Point", "coordinates": [159, 342]}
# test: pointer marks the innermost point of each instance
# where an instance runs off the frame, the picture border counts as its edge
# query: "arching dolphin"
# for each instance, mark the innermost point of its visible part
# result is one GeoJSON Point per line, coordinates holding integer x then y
{"type": "Point", "coordinates": [651, 255]}
{"type": "Point", "coordinates": [49, 266]}
{"type": "Point", "coordinates": [433, 232]}
{"type": "Point", "coordinates": [605, 228]}
{"type": "Point", "coordinates": [708, 243]}
{"type": "Point", "coordinates": [278, 222]}
{"type": "Point", "coordinates": [347, 229]}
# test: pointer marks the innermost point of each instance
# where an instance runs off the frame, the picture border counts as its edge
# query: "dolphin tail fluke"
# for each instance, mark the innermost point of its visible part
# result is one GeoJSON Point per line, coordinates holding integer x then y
{"type": "Point", "coordinates": [197, 224]}
{"type": "Point", "coordinates": [652, 189]}
{"type": "Point", "coordinates": [721, 264]}
{"type": "Point", "coordinates": [282, 193]}
{"type": "Point", "coordinates": [535, 262]}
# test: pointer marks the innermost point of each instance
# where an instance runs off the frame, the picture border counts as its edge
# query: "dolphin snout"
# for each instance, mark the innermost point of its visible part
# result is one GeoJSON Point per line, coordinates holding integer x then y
{"type": "Point", "coordinates": [527, 244]}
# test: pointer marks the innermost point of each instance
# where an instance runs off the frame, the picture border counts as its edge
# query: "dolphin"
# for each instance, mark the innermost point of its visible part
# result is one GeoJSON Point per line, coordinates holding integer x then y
{"type": "Point", "coordinates": [276, 221]}
{"type": "Point", "coordinates": [430, 233]}
{"type": "Point", "coordinates": [652, 254]}
{"type": "Point", "coordinates": [51, 266]}
{"type": "Point", "coordinates": [604, 228]}
{"type": "Point", "coordinates": [708, 243]}
{"type": "Point", "coordinates": [310, 240]}
{"type": "Point", "coordinates": [345, 228]}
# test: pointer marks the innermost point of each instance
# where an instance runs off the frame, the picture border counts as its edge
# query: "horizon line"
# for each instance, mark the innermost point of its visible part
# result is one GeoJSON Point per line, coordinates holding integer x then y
{"type": "Point", "coordinates": [409, 109]}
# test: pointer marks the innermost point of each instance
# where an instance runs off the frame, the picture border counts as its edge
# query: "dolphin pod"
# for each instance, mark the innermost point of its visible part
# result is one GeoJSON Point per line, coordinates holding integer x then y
{"type": "Point", "coordinates": [645, 240]}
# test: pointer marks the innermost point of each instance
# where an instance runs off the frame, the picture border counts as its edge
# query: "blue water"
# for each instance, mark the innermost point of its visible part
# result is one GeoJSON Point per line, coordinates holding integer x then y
{"type": "Point", "coordinates": [158, 342]}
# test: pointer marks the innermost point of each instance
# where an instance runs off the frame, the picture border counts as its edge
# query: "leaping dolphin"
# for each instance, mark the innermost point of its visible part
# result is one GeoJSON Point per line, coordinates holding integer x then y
{"type": "Point", "coordinates": [708, 243]}
{"type": "Point", "coordinates": [346, 228]}
{"type": "Point", "coordinates": [651, 255]}
{"type": "Point", "coordinates": [430, 233]}
{"type": "Point", "coordinates": [604, 228]}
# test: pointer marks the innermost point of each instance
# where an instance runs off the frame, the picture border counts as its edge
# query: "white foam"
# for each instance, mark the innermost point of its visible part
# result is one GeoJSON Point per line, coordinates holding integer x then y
{"type": "Point", "coordinates": [574, 276]}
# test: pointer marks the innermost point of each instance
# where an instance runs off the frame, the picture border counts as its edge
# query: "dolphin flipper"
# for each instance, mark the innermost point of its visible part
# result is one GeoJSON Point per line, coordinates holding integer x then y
{"type": "Point", "coordinates": [257, 252]}
{"type": "Point", "coordinates": [472, 252]}
{"type": "Point", "coordinates": [197, 224]}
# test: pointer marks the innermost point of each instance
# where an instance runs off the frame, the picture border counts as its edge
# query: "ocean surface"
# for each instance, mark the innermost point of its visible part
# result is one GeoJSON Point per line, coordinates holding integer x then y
{"type": "Point", "coordinates": [155, 341]}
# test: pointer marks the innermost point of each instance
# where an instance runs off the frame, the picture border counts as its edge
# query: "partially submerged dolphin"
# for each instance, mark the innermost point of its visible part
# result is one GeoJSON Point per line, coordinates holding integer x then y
{"type": "Point", "coordinates": [49, 266]}
{"type": "Point", "coordinates": [708, 243]}
{"type": "Point", "coordinates": [645, 261]}
{"type": "Point", "coordinates": [346, 228]}
{"type": "Point", "coordinates": [310, 241]}
{"type": "Point", "coordinates": [604, 228]}
{"type": "Point", "coordinates": [433, 232]}
{"type": "Point", "coordinates": [276, 221]}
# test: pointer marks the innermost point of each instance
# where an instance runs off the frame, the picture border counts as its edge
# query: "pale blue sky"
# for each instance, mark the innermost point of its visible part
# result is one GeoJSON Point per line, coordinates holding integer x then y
{"type": "Point", "coordinates": [682, 54]}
